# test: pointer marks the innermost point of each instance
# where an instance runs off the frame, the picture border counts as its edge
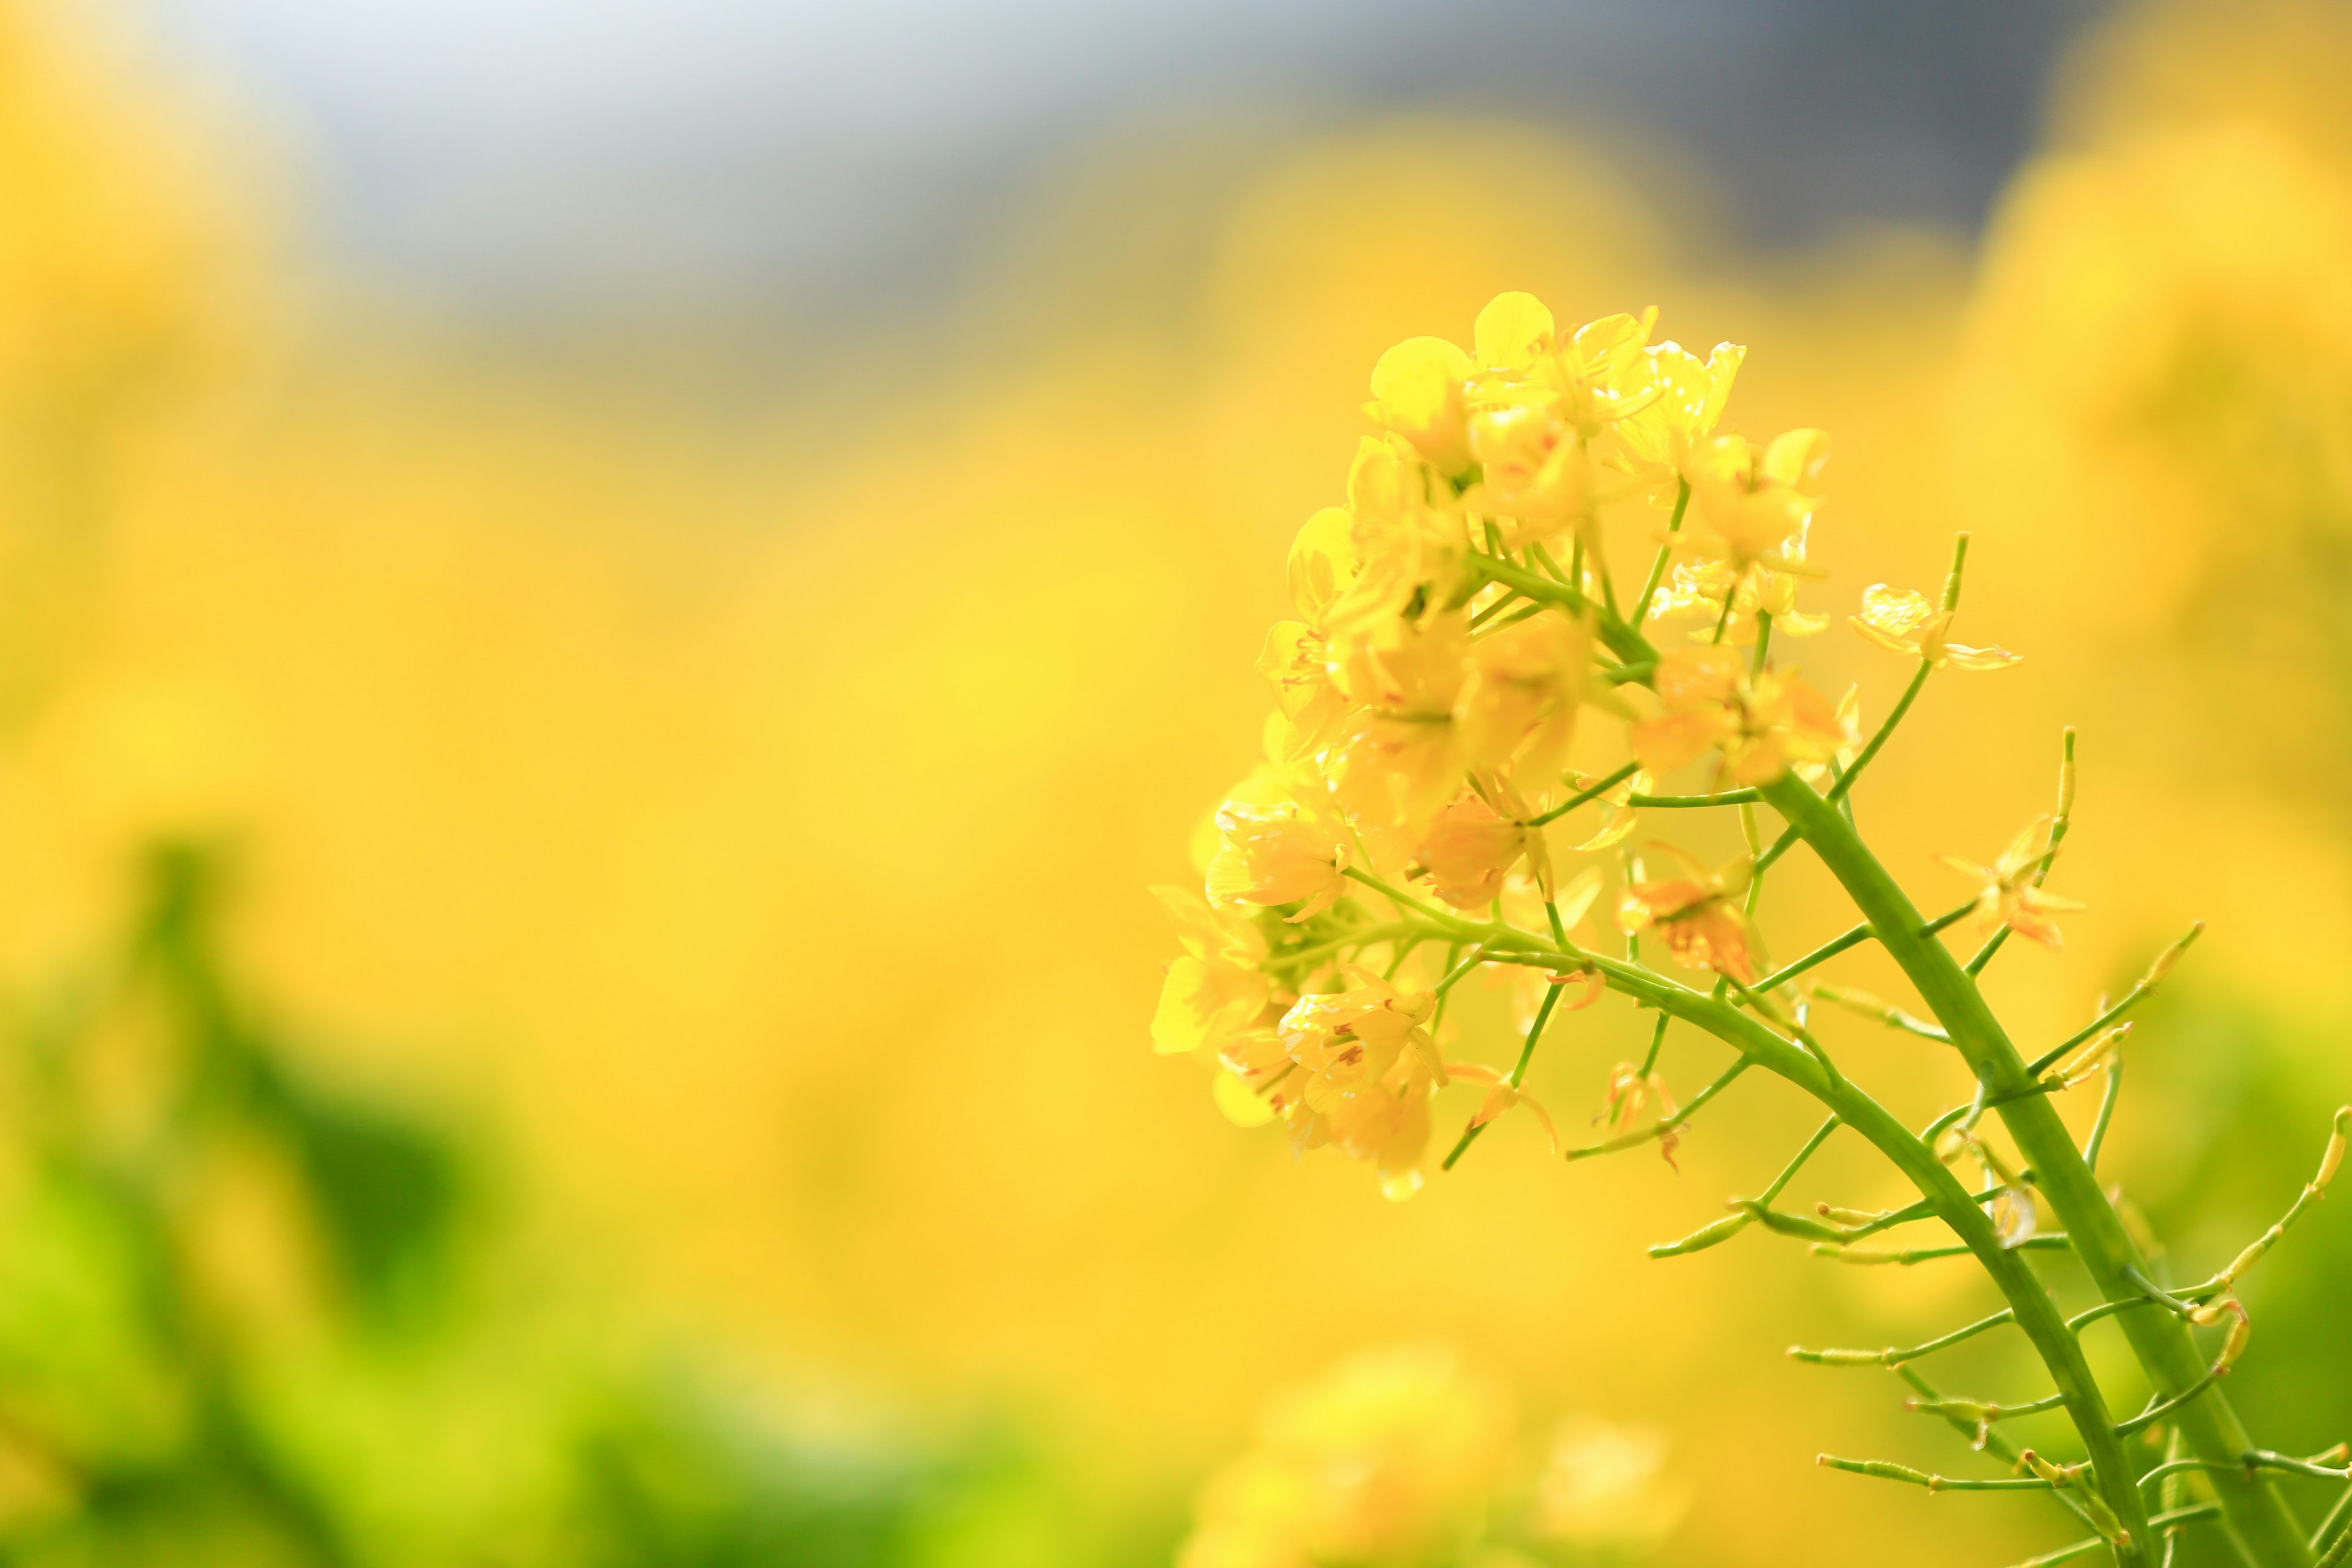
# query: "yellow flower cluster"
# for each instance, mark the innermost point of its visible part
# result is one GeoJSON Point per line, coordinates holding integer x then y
{"type": "Point", "coordinates": [1403, 1458]}
{"type": "Point", "coordinates": [1457, 622]}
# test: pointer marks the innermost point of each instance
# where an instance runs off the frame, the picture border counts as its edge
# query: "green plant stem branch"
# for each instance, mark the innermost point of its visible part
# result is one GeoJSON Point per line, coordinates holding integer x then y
{"type": "Point", "coordinates": [2260, 1460]}
{"type": "Point", "coordinates": [1624, 640]}
{"type": "Point", "coordinates": [1887, 1470]}
{"type": "Point", "coordinates": [1518, 1071]}
{"type": "Point", "coordinates": [1588, 793]}
{"type": "Point", "coordinates": [2256, 1517]}
{"type": "Point", "coordinates": [2034, 1312]}
{"type": "Point", "coordinates": [1893, 1356]}
{"type": "Point", "coordinates": [2130, 999]}
{"type": "Point", "coordinates": [1666, 553]}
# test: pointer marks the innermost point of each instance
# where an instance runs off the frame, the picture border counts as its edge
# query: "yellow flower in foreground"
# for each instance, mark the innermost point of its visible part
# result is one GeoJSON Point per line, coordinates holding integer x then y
{"type": "Point", "coordinates": [1690, 398]}
{"type": "Point", "coordinates": [1296, 657]}
{"type": "Point", "coordinates": [1901, 621]}
{"type": "Point", "coordinates": [1518, 706]}
{"type": "Point", "coordinates": [1417, 393]}
{"type": "Point", "coordinates": [1760, 723]}
{"type": "Point", "coordinates": [1756, 503]}
{"type": "Point", "coordinates": [1389, 1460]}
{"type": "Point", "coordinates": [1366, 1068]}
{"type": "Point", "coordinates": [1473, 847]}
{"type": "Point", "coordinates": [1276, 852]}
{"type": "Point", "coordinates": [2009, 897]}
{"type": "Point", "coordinates": [1214, 990]}
{"type": "Point", "coordinates": [1698, 914]}
{"type": "Point", "coordinates": [1397, 757]}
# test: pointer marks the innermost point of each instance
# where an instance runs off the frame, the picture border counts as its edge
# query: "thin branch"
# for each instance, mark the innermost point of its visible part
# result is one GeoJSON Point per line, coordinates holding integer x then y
{"type": "Point", "coordinates": [1885, 1470]}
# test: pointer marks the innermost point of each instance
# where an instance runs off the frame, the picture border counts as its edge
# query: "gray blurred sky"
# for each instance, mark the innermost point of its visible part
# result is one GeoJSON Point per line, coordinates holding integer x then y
{"type": "Point", "coordinates": [509, 153]}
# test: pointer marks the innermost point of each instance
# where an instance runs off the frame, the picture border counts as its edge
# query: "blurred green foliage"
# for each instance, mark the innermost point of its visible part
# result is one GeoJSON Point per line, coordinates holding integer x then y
{"type": "Point", "coordinates": [241, 1321]}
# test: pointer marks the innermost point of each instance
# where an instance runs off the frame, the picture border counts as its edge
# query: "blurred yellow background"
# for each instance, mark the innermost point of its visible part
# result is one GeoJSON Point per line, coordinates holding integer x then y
{"type": "Point", "coordinates": [737, 822]}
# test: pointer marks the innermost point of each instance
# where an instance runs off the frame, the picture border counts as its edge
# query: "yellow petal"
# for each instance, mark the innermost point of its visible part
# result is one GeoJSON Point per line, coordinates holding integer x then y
{"type": "Point", "coordinates": [1512, 330]}
{"type": "Point", "coordinates": [1322, 561]}
{"type": "Point", "coordinates": [1243, 1106]}
{"type": "Point", "coordinates": [1576, 900]}
{"type": "Point", "coordinates": [1981, 658]}
{"type": "Point", "coordinates": [1796, 458]}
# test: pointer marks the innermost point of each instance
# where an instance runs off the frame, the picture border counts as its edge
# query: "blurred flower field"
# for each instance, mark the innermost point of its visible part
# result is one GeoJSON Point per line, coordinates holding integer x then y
{"type": "Point", "coordinates": [577, 972]}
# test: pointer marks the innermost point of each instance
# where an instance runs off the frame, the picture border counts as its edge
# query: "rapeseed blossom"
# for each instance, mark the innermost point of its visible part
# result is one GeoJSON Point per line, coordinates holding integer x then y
{"type": "Point", "coordinates": [1459, 646]}
{"type": "Point", "coordinates": [1405, 1458]}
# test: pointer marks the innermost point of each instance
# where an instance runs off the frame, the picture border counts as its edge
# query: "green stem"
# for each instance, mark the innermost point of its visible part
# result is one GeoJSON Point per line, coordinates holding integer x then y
{"type": "Point", "coordinates": [1666, 553]}
{"type": "Point", "coordinates": [2255, 1515]}
{"type": "Point", "coordinates": [2035, 1313]}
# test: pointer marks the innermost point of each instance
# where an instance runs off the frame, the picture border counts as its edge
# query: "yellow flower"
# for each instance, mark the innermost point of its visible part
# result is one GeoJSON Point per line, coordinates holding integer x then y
{"type": "Point", "coordinates": [1397, 757]}
{"type": "Point", "coordinates": [1539, 410]}
{"type": "Point", "coordinates": [1473, 847]}
{"type": "Point", "coordinates": [1214, 990]}
{"type": "Point", "coordinates": [1533, 470]}
{"type": "Point", "coordinates": [1760, 723]}
{"type": "Point", "coordinates": [1390, 1458]}
{"type": "Point", "coordinates": [1757, 503]}
{"type": "Point", "coordinates": [1366, 1068]}
{"type": "Point", "coordinates": [1698, 914]}
{"type": "Point", "coordinates": [1604, 1492]}
{"type": "Point", "coordinates": [2009, 897]}
{"type": "Point", "coordinates": [1276, 852]}
{"type": "Point", "coordinates": [1696, 588]}
{"type": "Point", "coordinates": [1901, 621]}
{"type": "Point", "coordinates": [1405, 535]}
{"type": "Point", "coordinates": [1518, 706]}
{"type": "Point", "coordinates": [1690, 398]}
{"type": "Point", "coordinates": [1296, 661]}
{"type": "Point", "coordinates": [1417, 392]}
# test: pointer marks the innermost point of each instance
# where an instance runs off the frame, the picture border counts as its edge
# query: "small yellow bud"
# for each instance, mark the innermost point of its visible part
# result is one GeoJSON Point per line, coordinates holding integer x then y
{"type": "Point", "coordinates": [2333, 1159]}
{"type": "Point", "coordinates": [2235, 1345]}
{"type": "Point", "coordinates": [2171, 955]}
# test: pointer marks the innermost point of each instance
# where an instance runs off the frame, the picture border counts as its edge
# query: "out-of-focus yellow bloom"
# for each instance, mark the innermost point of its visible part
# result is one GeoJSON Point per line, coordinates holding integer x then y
{"type": "Point", "coordinates": [1604, 1491]}
{"type": "Point", "coordinates": [1518, 707]}
{"type": "Point", "coordinates": [1366, 1067]}
{"type": "Point", "coordinates": [1390, 1460]}
{"type": "Point", "coordinates": [1215, 989]}
{"type": "Point", "coordinates": [2009, 897]}
{"type": "Point", "coordinates": [1417, 392]}
{"type": "Point", "coordinates": [1697, 913]}
{"type": "Point", "coordinates": [1901, 621]}
{"type": "Point", "coordinates": [1474, 846]}
{"type": "Point", "coordinates": [1276, 852]}
{"type": "Point", "coordinates": [1760, 723]}
{"type": "Point", "coordinates": [1849, 719]}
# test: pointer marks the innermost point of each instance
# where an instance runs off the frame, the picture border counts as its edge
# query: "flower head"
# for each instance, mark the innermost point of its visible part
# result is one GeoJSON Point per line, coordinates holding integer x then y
{"type": "Point", "coordinates": [1417, 392]}
{"type": "Point", "coordinates": [1516, 709]}
{"type": "Point", "coordinates": [1275, 852]}
{"type": "Point", "coordinates": [1760, 722]}
{"type": "Point", "coordinates": [1697, 913]}
{"type": "Point", "coordinates": [1901, 621]}
{"type": "Point", "coordinates": [1366, 1067]}
{"type": "Point", "coordinates": [1472, 847]}
{"type": "Point", "coordinates": [2012, 893]}
{"type": "Point", "coordinates": [1390, 1458]}
{"type": "Point", "coordinates": [1397, 757]}
{"type": "Point", "coordinates": [1215, 991]}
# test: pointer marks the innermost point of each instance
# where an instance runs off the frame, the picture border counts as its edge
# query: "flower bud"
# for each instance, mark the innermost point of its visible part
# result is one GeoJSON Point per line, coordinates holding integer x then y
{"type": "Point", "coordinates": [2332, 1160]}
{"type": "Point", "coordinates": [2235, 1345]}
